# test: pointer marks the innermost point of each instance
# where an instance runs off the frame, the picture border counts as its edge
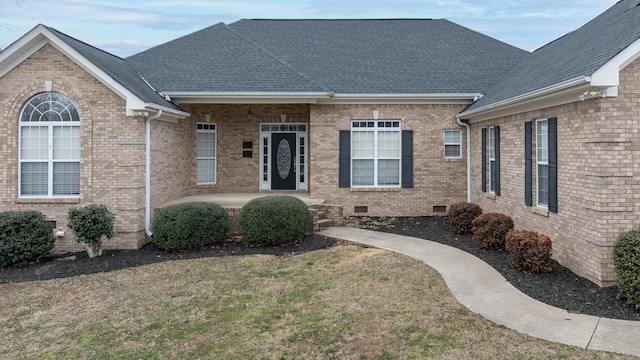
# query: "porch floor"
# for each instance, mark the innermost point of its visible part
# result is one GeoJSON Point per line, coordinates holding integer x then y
{"type": "Point", "coordinates": [236, 200]}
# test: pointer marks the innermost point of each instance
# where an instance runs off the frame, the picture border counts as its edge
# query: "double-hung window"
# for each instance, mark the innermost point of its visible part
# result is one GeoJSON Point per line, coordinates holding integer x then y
{"type": "Point", "coordinates": [49, 149]}
{"type": "Point", "coordinates": [492, 159]}
{"type": "Point", "coordinates": [542, 162]}
{"type": "Point", "coordinates": [206, 138]}
{"type": "Point", "coordinates": [375, 153]}
{"type": "Point", "coordinates": [453, 144]}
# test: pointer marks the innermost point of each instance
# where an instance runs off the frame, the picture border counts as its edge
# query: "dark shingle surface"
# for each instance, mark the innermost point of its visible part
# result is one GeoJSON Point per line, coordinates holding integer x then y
{"type": "Point", "coordinates": [387, 56]}
{"type": "Point", "coordinates": [118, 69]}
{"type": "Point", "coordinates": [216, 59]}
{"type": "Point", "coordinates": [342, 56]}
{"type": "Point", "coordinates": [579, 53]}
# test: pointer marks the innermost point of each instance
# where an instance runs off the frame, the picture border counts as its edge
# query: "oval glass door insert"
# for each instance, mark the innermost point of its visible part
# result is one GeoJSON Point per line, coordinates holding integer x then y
{"type": "Point", "coordinates": [283, 158]}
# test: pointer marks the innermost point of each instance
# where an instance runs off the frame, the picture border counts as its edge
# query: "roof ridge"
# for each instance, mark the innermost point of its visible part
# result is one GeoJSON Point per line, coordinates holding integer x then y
{"type": "Point", "coordinates": [278, 59]}
{"type": "Point", "coordinates": [118, 75]}
{"type": "Point", "coordinates": [176, 39]}
{"type": "Point", "coordinates": [58, 32]}
{"type": "Point", "coordinates": [345, 19]}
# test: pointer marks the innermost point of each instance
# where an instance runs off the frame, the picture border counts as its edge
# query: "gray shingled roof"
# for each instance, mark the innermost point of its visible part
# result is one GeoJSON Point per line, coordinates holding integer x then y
{"type": "Point", "coordinates": [341, 56]}
{"type": "Point", "coordinates": [579, 53]}
{"type": "Point", "coordinates": [217, 59]}
{"type": "Point", "coordinates": [117, 69]}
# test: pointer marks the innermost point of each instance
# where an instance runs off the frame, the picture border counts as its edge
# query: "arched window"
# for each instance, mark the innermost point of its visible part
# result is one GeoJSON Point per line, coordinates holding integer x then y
{"type": "Point", "coordinates": [49, 147]}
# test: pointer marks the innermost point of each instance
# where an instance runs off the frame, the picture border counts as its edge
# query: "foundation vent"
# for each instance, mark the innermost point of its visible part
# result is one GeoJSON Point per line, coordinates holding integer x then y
{"type": "Point", "coordinates": [360, 209]}
{"type": "Point", "coordinates": [439, 209]}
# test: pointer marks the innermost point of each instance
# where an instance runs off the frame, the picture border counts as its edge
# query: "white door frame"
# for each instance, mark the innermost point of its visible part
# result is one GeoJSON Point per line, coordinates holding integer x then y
{"type": "Point", "coordinates": [301, 155]}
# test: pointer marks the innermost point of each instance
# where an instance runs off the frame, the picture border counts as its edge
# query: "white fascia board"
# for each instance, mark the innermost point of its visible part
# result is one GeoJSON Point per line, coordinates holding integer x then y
{"type": "Point", "coordinates": [608, 75]}
{"type": "Point", "coordinates": [165, 109]}
{"type": "Point", "coordinates": [246, 97]}
{"type": "Point", "coordinates": [564, 93]}
{"type": "Point", "coordinates": [317, 98]}
{"type": "Point", "coordinates": [167, 114]}
{"type": "Point", "coordinates": [38, 37]}
{"type": "Point", "coordinates": [444, 98]}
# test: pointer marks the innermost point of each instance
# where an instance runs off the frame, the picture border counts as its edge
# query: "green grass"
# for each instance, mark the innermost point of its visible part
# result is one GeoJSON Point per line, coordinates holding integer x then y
{"type": "Point", "coordinates": [346, 302]}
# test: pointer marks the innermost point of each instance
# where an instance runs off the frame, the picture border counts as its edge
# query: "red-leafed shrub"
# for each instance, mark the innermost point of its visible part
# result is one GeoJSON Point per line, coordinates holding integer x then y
{"type": "Point", "coordinates": [529, 251]}
{"type": "Point", "coordinates": [490, 229]}
{"type": "Point", "coordinates": [461, 215]}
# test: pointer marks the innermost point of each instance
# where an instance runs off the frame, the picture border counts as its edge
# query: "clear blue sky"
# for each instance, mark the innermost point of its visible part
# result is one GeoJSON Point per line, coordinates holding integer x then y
{"type": "Point", "coordinates": [124, 27]}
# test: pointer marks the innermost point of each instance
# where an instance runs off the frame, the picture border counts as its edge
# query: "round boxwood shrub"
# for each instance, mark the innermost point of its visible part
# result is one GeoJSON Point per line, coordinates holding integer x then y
{"type": "Point", "coordinates": [461, 215]}
{"type": "Point", "coordinates": [626, 258]}
{"type": "Point", "coordinates": [25, 237]}
{"type": "Point", "coordinates": [190, 225]}
{"type": "Point", "coordinates": [273, 220]}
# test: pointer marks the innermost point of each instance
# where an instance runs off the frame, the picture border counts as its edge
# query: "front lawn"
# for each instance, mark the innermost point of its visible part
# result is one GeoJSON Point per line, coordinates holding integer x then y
{"type": "Point", "coordinates": [345, 302]}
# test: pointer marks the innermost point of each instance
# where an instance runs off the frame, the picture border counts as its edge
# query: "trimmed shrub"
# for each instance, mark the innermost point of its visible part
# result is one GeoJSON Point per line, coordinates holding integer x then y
{"type": "Point", "coordinates": [626, 259]}
{"type": "Point", "coordinates": [529, 251]}
{"type": "Point", "coordinates": [190, 225]}
{"type": "Point", "coordinates": [25, 237]}
{"type": "Point", "coordinates": [461, 215]}
{"type": "Point", "coordinates": [490, 229]}
{"type": "Point", "coordinates": [90, 224]}
{"type": "Point", "coordinates": [274, 220]}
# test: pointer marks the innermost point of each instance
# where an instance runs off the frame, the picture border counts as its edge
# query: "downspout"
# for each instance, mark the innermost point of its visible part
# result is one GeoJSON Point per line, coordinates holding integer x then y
{"type": "Point", "coordinates": [468, 156]}
{"type": "Point", "coordinates": [147, 171]}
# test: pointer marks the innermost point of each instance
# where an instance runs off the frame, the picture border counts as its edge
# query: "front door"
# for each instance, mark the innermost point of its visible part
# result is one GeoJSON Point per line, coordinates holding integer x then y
{"type": "Point", "coordinates": [283, 155]}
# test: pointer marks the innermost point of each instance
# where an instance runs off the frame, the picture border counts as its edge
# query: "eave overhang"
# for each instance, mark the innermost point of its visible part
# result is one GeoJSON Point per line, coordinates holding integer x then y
{"type": "Point", "coordinates": [39, 36]}
{"type": "Point", "coordinates": [558, 94]}
{"type": "Point", "coordinates": [603, 82]}
{"type": "Point", "coordinates": [316, 98]}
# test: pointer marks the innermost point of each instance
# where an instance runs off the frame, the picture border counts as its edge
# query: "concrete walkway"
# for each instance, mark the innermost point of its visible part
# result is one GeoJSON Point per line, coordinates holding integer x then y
{"type": "Point", "coordinates": [483, 290]}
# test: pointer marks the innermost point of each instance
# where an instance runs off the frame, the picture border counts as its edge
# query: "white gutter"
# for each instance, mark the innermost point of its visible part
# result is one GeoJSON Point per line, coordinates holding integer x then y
{"type": "Point", "coordinates": [468, 156]}
{"type": "Point", "coordinates": [458, 96]}
{"type": "Point", "coordinates": [164, 110]}
{"type": "Point", "coordinates": [232, 94]}
{"type": "Point", "coordinates": [147, 171]}
{"type": "Point", "coordinates": [581, 80]}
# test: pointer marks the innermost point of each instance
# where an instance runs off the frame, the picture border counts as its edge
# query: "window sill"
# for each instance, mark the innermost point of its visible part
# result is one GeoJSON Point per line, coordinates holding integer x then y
{"type": "Point", "coordinates": [374, 189]}
{"type": "Point", "coordinates": [491, 196]}
{"type": "Point", "coordinates": [540, 211]}
{"type": "Point", "coordinates": [47, 201]}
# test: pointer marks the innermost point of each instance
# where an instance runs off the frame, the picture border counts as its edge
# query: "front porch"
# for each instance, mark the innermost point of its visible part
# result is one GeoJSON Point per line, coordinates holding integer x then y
{"type": "Point", "coordinates": [322, 215]}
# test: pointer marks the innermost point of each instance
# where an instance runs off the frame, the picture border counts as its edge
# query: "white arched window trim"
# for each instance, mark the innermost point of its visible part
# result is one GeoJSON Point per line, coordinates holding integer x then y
{"type": "Point", "coordinates": [49, 147]}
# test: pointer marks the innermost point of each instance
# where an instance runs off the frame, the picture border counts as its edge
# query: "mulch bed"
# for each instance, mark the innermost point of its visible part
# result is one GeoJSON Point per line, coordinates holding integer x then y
{"type": "Point", "coordinates": [561, 287]}
{"type": "Point", "coordinates": [75, 264]}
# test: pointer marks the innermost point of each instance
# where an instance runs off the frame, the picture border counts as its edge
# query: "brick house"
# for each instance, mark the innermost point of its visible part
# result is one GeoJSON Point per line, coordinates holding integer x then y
{"type": "Point", "coordinates": [381, 117]}
{"type": "Point", "coordinates": [555, 143]}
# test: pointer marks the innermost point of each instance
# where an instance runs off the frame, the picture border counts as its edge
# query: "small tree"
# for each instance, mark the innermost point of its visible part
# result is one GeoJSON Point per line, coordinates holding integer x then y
{"type": "Point", "coordinates": [90, 224]}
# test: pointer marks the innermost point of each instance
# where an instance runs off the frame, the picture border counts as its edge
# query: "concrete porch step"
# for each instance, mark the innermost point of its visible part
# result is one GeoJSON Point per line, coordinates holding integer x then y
{"type": "Point", "coordinates": [325, 223]}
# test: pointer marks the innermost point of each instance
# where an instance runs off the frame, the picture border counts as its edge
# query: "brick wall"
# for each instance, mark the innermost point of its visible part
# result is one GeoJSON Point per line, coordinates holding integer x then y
{"type": "Point", "coordinates": [598, 177]}
{"type": "Point", "coordinates": [112, 147]}
{"type": "Point", "coordinates": [437, 181]}
{"type": "Point", "coordinates": [235, 172]}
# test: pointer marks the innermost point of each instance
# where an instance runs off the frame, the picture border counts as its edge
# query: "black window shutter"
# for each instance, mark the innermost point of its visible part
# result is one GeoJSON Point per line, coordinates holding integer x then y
{"type": "Point", "coordinates": [497, 147]}
{"type": "Point", "coordinates": [553, 164]}
{"type": "Point", "coordinates": [528, 163]}
{"type": "Point", "coordinates": [344, 159]}
{"type": "Point", "coordinates": [407, 158]}
{"type": "Point", "coordinates": [484, 159]}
